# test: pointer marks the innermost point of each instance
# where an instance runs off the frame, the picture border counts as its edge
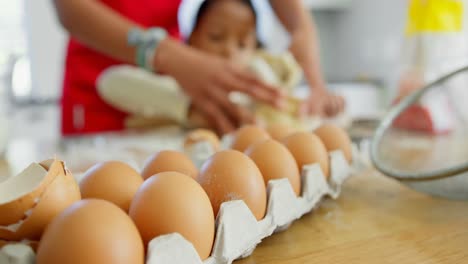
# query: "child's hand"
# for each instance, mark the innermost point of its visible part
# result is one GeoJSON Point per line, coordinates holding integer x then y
{"type": "Point", "coordinates": [323, 104]}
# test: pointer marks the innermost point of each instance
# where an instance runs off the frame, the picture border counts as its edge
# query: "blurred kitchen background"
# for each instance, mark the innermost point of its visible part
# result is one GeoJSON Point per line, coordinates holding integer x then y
{"type": "Point", "coordinates": [360, 50]}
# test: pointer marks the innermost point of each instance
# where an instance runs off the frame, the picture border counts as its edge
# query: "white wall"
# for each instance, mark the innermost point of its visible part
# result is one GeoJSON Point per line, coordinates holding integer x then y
{"type": "Point", "coordinates": [327, 27]}
{"type": "Point", "coordinates": [370, 35]}
{"type": "Point", "coordinates": [361, 41]}
{"type": "Point", "coordinates": [12, 42]}
{"type": "Point", "coordinates": [46, 41]}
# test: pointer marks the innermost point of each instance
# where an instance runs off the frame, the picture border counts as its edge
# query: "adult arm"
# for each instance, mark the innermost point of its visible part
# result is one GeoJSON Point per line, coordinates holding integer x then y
{"type": "Point", "coordinates": [305, 48]}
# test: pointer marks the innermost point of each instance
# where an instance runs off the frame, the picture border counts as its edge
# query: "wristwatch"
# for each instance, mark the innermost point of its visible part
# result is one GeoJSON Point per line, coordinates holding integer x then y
{"type": "Point", "coordinates": [146, 42]}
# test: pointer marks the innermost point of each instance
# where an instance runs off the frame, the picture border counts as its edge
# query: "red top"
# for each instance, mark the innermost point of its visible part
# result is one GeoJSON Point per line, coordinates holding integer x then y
{"type": "Point", "coordinates": [83, 111]}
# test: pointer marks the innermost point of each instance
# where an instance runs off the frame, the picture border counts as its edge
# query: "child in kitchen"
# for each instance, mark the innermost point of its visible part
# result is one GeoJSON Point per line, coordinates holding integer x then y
{"type": "Point", "coordinates": [222, 27]}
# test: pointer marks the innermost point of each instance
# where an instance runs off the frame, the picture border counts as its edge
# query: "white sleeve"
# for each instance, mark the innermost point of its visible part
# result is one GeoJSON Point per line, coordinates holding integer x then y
{"type": "Point", "coordinates": [141, 93]}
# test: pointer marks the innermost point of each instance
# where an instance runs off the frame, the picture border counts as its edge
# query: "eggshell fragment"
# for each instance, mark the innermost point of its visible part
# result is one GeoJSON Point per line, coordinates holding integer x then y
{"type": "Point", "coordinates": [335, 138]}
{"type": "Point", "coordinates": [170, 202]}
{"type": "Point", "coordinates": [47, 164]}
{"type": "Point", "coordinates": [169, 160]}
{"type": "Point", "coordinates": [91, 231]}
{"type": "Point", "coordinates": [247, 136]}
{"type": "Point", "coordinates": [275, 162]}
{"type": "Point", "coordinates": [231, 175]}
{"type": "Point", "coordinates": [60, 194]}
{"type": "Point", "coordinates": [18, 194]}
{"type": "Point", "coordinates": [113, 181]}
{"type": "Point", "coordinates": [308, 149]}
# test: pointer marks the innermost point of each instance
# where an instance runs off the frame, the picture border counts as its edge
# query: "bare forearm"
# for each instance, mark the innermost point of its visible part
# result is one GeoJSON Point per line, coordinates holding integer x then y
{"type": "Point", "coordinates": [97, 26]}
{"type": "Point", "coordinates": [304, 39]}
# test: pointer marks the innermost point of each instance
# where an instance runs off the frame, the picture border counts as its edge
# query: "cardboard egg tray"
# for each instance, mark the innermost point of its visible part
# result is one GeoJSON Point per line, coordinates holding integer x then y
{"type": "Point", "coordinates": [17, 254]}
{"type": "Point", "coordinates": [237, 230]}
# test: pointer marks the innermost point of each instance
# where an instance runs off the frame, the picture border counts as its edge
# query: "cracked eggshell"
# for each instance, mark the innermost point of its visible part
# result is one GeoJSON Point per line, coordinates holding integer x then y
{"type": "Point", "coordinates": [247, 136]}
{"type": "Point", "coordinates": [91, 231]}
{"type": "Point", "coordinates": [19, 194]}
{"type": "Point", "coordinates": [47, 164]}
{"type": "Point", "coordinates": [307, 149]}
{"type": "Point", "coordinates": [231, 175]}
{"type": "Point", "coordinates": [169, 160]}
{"type": "Point", "coordinates": [170, 202]}
{"type": "Point", "coordinates": [113, 181]}
{"type": "Point", "coordinates": [275, 162]}
{"type": "Point", "coordinates": [60, 194]}
{"type": "Point", "coordinates": [335, 138]}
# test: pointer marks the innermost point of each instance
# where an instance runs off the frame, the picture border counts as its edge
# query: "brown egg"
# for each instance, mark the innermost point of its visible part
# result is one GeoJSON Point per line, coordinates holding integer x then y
{"type": "Point", "coordinates": [247, 136]}
{"type": "Point", "coordinates": [279, 131]}
{"type": "Point", "coordinates": [171, 202]}
{"type": "Point", "coordinates": [275, 162]}
{"type": "Point", "coordinates": [59, 195]}
{"type": "Point", "coordinates": [308, 149]}
{"type": "Point", "coordinates": [335, 138]}
{"type": "Point", "coordinates": [169, 160]}
{"type": "Point", "coordinates": [113, 181]}
{"type": "Point", "coordinates": [202, 135]}
{"type": "Point", "coordinates": [231, 175]}
{"type": "Point", "coordinates": [92, 232]}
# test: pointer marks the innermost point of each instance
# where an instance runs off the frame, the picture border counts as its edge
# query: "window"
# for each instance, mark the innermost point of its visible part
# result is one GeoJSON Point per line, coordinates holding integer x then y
{"type": "Point", "coordinates": [12, 45]}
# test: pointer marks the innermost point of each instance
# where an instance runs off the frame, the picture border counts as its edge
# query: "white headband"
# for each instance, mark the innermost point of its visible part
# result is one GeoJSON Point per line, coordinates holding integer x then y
{"type": "Point", "coordinates": [187, 14]}
{"type": "Point", "coordinates": [188, 11]}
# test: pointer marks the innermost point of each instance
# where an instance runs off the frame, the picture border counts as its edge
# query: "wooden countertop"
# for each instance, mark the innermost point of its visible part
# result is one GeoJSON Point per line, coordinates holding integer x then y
{"type": "Point", "coordinates": [375, 220]}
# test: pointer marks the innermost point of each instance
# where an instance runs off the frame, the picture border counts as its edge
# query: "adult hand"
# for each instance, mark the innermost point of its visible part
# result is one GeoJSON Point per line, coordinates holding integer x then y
{"type": "Point", "coordinates": [334, 104]}
{"type": "Point", "coordinates": [208, 80]}
{"type": "Point", "coordinates": [304, 46]}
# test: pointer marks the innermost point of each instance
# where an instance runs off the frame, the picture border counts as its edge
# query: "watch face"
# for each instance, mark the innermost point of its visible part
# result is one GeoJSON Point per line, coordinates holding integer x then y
{"type": "Point", "coordinates": [139, 37]}
{"type": "Point", "coordinates": [157, 34]}
{"type": "Point", "coordinates": [135, 36]}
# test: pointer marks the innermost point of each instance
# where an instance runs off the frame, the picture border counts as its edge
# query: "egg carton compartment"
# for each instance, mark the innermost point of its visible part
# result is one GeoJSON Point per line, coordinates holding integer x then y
{"type": "Point", "coordinates": [17, 254]}
{"type": "Point", "coordinates": [200, 152]}
{"type": "Point", "coordinates": [237, 230]}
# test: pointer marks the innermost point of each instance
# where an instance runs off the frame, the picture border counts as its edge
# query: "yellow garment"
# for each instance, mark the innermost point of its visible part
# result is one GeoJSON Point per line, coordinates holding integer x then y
{"type": "Point", "coordinates": [436, 38]}
{"type": "Point", "coordinates": [434, 16]}
{"type": "Point", "coordinates": [436, 43]}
